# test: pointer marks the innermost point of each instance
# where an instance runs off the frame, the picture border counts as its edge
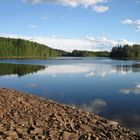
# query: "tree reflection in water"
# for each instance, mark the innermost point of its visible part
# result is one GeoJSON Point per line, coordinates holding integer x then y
{"type": "Point", "coordinates": [19, 69]}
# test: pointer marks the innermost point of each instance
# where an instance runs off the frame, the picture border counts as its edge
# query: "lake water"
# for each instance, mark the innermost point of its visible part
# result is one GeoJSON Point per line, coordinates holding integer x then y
{"type": "Point", "coordinates": [110, 88]}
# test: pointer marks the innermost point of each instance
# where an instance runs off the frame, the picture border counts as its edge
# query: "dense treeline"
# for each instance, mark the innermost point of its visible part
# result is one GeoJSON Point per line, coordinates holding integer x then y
{"type": "Point", "coordinates": [126, 51]}
{"type": "Point", "coordinates": [79, 53]}
{"type": "Point", "coordinates": [19, 48]}
{"type": "Point", "coordinates": [19, 69]}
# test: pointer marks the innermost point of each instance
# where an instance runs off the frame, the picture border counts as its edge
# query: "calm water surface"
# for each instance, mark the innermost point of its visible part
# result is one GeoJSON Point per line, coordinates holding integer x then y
{"type": "Point", "coordinates": [110, 88]}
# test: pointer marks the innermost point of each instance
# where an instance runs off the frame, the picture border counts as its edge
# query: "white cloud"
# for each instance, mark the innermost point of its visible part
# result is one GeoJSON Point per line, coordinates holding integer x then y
{"type": "Point", "coordinates": [100, 9]}
{"type": "Point", "coordinates": [135, 23]}
{"type": "Point", "coordinates": [96, 106]}
{"type": "Point", "coordinates": [75, 3]}
{"type": "Point", "coordinates": [127, 21]}
{"type": "Point", "coordinates": [125, 91]}
{"type": "Point", "coordinates": [103, 43]}
{"type": "Point", "coordinates": [65, 69]}
{"type": "Point", "coordinates": [133, 90]}
{"type": "Point", "coordinates": [90, 74]}
{"type": "Point", "coordinates": [89, 70]}
{"type": "Point", "coordinates": [72, 3]}
{"type": "Point", "coordinates": [68, 44]}
{"type": "Point", "coordinates": [33, 26]}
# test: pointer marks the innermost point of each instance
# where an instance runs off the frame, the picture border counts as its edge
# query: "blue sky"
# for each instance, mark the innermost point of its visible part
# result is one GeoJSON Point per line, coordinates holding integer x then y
{"type": "Point", "coordinates": [72, 24]}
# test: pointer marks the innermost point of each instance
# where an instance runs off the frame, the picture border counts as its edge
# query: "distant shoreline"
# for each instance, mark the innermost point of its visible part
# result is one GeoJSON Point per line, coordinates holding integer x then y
{"type": "Point", "coordinates": [51, 58]}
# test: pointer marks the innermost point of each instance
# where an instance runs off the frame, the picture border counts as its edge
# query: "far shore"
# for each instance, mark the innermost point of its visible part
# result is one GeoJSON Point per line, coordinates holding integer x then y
{"type": "Point", "coordinates": [49, 58]}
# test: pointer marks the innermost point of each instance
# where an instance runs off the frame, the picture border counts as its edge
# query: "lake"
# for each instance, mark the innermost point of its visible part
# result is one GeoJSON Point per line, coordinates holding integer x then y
{"type": "Point", "coordinates": [110, 88]}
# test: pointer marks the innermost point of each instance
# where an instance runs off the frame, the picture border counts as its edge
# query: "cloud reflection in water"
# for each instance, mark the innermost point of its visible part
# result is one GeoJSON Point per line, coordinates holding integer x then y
{"type": "Point", "coordinates": [96, 106]}
{"type": "Point", "coordinates": [89, 70]}
{"type": "Point", "coordinates": [133, 90]}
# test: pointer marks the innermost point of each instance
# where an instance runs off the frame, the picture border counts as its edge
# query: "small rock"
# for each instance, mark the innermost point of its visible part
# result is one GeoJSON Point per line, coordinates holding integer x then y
{"type": "Point", "coordinates": [12, 134]}
{"type": "Point", "coordinates": [86, 128]}
{"type": "Point", "coordinates": [37, 131]}
{"type": "Point", "coordinates": [70, 136]}
{"type": "Point", "coordinates": [112, 123]}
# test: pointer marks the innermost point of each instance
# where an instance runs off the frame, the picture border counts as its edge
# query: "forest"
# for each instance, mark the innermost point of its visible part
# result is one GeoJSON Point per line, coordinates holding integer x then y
{"type": "Point", "coordinates": [19, 48]}
{"type": "Point", "coordinates": [126, 52]}
{"type": "Point", "coordinates": [79, 53]}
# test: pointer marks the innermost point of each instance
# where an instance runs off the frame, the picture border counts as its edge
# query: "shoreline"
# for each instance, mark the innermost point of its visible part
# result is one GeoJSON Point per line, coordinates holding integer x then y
{"type": "Point", "coordinates": [25, 116]}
